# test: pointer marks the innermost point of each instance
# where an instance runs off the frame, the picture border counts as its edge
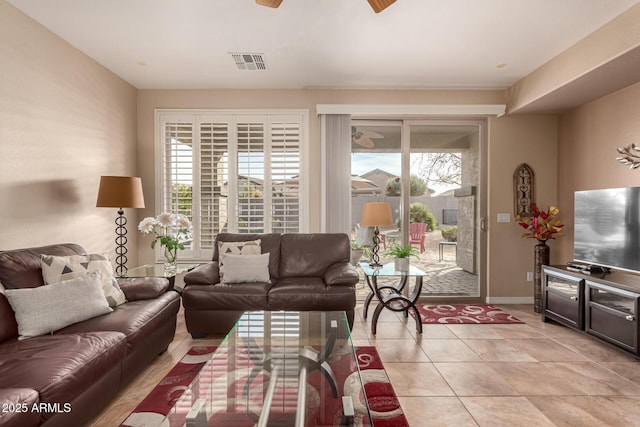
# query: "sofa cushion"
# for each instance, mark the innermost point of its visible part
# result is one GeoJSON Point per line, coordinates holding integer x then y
{"type": "Point", "coordinates": [48, 308]}
{"type": "Point", "coordinates": [60, 367]}
{"type": "Point", "coordinates": [20, 268]}
{"type": "Point", "coordinates": [16, 404]}
{"type": "Point", "coordinates": [246, 269]}
{"type": "Point", "coordinates": [244, 296]}
{"type": "Point", "coordinates": [58, 268]}
{"type": "Point", "coordinates": [310, 255]}
{"type": "Point", "coordinates": [268, 243]}
{"type": "Point", "coordinates": [310, 294]}
{"type": "Point", "coordinates": [135, 319]}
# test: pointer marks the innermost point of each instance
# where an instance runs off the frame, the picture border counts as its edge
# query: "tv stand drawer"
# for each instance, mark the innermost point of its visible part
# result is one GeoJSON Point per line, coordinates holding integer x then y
{"type": "Point", "coordinates": [563, 299]}
{"type": "Point", "coordinates": [612, 315]}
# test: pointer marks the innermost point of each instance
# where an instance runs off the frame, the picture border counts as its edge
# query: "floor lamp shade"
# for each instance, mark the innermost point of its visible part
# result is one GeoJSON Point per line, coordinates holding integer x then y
{"type": "Point", "coordinates": [120, 192]}
{"type": "Point", "coordinates": [376, 214]}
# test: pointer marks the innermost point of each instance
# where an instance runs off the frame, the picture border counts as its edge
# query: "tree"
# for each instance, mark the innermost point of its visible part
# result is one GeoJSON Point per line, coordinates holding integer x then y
{"type": "Point", "coordinates": [440, 169]}
{"type": "Point", "coordinates": [417, 186]}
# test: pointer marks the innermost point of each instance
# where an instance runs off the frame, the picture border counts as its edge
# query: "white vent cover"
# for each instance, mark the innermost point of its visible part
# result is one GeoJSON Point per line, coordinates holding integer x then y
{"type": "Point", "coordinates": [250, 61]}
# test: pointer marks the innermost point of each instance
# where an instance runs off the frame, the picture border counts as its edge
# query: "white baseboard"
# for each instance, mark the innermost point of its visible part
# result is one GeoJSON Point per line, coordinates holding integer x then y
{"type": "Point", "coordinates": [509, 300]}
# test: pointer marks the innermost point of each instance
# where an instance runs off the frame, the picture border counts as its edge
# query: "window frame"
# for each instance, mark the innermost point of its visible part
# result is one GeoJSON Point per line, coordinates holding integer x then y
{"type": "Point", "coordinates": [232, 118]}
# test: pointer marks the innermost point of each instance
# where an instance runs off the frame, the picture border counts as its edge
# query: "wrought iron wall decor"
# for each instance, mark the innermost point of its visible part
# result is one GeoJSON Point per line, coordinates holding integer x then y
{"type": "Point", "coordinates": [630, 155]}
{"type": "Point", "coordinates": [524, 189]}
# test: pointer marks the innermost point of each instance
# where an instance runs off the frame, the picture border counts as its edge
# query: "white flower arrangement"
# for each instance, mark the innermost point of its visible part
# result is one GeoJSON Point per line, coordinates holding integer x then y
{"type": "Point", "coordinates": [171, 230]}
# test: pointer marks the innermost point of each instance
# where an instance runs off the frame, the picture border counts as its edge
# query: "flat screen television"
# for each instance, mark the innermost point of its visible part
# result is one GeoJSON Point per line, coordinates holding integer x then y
{"type": "Point", "coordinates": [607, 228]}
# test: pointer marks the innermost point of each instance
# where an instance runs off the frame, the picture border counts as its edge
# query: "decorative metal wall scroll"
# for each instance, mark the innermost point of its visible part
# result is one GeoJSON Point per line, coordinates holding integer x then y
{"type": "Point", "coordinates": [524, 189]}
{"type": "Point", "coordinates": [630, 155]}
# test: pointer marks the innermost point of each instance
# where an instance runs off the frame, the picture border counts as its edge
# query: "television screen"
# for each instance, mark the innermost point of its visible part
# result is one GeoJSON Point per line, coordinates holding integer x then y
{"type": "Point", "coordinates": [607, 227]}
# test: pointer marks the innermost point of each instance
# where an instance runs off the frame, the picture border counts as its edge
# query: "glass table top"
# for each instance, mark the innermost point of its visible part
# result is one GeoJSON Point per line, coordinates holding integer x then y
{"type": "Point", "coordinates": [156, 270]}
{"type": "Point", "coordinates": [277, 368]}
{"type": "Point", "coordinates": [389, 270]}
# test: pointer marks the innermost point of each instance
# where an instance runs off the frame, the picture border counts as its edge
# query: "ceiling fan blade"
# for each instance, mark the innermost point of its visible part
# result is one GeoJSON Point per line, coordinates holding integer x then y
{"type": "Point", "coordinates": [270, 3]}
{"type": "Point", "coordinates": [365, 142]}
{"type": "Point", "coordinates": [371, 134]}
{"type": "Point", "coordinates": [380, 5]}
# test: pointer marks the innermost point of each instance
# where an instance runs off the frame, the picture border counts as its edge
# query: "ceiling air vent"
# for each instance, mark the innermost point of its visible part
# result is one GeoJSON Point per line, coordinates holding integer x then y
{"type": "Point", "coordinates": [249, 61]}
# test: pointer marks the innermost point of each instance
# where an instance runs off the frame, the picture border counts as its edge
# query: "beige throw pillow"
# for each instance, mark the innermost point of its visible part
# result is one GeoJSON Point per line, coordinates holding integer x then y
{"type": "Point", "coordinates": [246, 269]}
{"type": "Point", "coordinates": [59, 268]}
{"type": "Point", "coordinates": [49, 308]}
{"type": "Point", "coordinates": [250, 247]}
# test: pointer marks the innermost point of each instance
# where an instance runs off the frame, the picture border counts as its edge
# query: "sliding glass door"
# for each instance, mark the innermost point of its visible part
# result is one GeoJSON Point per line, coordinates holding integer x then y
{"type": "Point", "coordinates": [430, 172]}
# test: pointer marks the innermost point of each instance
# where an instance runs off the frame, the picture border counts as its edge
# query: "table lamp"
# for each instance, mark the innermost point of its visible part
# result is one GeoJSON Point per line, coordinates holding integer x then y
{"type": "Point", "coordinates": [120, 192]}
{"type": "Point", "coordinates": [376, 214]}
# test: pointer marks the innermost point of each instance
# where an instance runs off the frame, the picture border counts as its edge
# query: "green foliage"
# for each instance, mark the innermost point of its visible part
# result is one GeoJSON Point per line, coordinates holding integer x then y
{"type": "Point", "coordinates": [450, 234]}
{"type": "Point", "coordinates": [420, 213]}
{"type": "Point", "coordinates": [181, 198]}
{"type": "Point", "coordinates": [417, 186]}
{"type": "Point", "coordinates": [397, 251]}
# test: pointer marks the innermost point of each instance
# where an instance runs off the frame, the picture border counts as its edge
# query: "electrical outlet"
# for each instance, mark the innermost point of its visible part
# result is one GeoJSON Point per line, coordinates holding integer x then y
{"type": "Point", "coordinates": [529, 276]}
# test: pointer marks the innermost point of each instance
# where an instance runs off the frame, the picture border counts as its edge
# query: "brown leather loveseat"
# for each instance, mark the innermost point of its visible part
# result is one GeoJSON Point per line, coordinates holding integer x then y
{"type": "Point", "coordinates": [66, 377]}
{"type": "Point", "coordinates": [307, 272]}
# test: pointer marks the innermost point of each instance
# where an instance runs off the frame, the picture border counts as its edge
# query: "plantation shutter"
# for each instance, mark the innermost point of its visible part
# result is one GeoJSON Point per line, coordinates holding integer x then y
{"type": "Point", "coordinates": [285, 176]}
{"type": "Point", "coordinates": [231, 173]}
{"type": "Point", "coordinates": [214, 178]}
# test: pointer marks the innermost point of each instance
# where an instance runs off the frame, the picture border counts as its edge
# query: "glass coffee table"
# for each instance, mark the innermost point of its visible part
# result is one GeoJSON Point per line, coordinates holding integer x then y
{"type": "Point", "coordinates": [158, 270]}
{"type": "Point", "coordinates": [394, 297]}
{"type": "Point", "coordinates": [278, 368]}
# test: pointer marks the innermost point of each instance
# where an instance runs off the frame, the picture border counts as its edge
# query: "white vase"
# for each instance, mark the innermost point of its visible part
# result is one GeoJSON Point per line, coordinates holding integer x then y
{"type": "Point", "coordinates": [401, 264]}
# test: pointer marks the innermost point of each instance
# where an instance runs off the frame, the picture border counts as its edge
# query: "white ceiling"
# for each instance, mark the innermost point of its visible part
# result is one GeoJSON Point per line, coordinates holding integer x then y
{"type": "Point", "coordinates": [175, 44]}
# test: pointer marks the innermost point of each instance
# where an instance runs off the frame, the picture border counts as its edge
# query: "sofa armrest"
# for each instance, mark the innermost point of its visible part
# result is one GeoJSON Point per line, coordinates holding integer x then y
{"type": "Point", "coordinates": [205, 274]}
{"type": "Point", "coordinates": [143, 288]}
{"type": "Point", "coordinates": [341, 274]}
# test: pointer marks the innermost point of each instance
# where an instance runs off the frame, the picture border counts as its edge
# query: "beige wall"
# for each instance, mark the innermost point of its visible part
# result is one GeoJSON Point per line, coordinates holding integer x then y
{"type": "Point", "coordinates": [513, 140]}
{"type": "Point", "coordinates": [588, 138]}
{"type": "Point", "coordinates": [64, 121]}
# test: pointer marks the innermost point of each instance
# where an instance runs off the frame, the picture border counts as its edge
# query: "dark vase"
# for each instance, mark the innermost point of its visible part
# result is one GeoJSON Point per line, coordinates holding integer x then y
{"type": "Point", "coordinates": [541, 258]}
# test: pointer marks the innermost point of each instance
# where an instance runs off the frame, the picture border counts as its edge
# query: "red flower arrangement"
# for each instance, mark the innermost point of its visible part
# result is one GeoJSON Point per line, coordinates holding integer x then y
{"type": "Point", "coordinates": [541, 225]}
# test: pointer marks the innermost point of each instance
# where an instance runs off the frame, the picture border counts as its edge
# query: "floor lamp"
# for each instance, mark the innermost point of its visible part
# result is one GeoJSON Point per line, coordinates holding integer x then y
{"type": "Point", "coordinates": [120, 192]}
{"type": "Point", "coordinates": [376, 214]}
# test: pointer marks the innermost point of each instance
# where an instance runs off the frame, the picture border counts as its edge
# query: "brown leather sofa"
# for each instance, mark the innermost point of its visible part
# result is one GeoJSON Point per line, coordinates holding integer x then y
{"type": "Point", "coordinates": [73, 373]}
{"type": "Point", "coordinates": [308, 272]}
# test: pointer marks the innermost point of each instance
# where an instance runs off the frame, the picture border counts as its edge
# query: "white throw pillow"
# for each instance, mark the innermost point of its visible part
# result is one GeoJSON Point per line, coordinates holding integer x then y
{"type": "Point", "coordinates": [246, 269]}
{"type": "Point", "coordinates": [250, 247]}
{"type": "Point", "coordinates": [56, 269]}
{"type": "Point", "coordinates": [48, 308]}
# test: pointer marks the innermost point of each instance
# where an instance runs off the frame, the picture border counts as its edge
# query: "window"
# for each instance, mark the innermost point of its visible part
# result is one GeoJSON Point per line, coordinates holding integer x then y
{"type": "Point", "coordinates": [241, 172]}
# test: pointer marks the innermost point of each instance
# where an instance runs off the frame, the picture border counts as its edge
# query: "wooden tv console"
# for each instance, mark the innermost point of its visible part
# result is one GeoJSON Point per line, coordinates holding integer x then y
{"type": "Point", "coordinates": [604, 306]}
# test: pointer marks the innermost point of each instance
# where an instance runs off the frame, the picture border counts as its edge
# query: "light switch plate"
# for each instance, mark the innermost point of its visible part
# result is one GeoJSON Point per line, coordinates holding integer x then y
{"type": "Point", "coordinates": [504, 217]}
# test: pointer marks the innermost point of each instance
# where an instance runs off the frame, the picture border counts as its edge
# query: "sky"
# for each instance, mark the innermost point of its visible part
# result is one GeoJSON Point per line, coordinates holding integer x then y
{"type": "Point", "coordinates": [362, 163]}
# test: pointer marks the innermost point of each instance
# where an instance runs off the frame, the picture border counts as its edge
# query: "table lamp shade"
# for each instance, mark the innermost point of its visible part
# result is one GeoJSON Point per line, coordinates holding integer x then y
{"type": "Point", "coordinates": [120, 192]}
{"type": "Point", "coordinates": [376, 214]}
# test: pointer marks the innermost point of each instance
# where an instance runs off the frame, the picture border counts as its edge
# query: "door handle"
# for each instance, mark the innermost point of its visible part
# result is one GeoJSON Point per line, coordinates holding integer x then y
{"type": "Point", "coordinates": [630, 318]}
{"type": "Point", "coordinates": [574, 298]}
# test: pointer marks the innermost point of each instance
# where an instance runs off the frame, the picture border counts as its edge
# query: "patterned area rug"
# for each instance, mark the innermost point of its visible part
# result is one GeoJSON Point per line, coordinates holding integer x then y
{"type": "Point", "coordinates": [465, 313]}
{"type": "Point", "coordinates": [383, 403]}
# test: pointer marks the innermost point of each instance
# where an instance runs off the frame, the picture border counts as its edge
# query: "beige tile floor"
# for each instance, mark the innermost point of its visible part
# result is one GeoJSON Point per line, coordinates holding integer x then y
{"type": "Point", "coordinates": [532, 374]}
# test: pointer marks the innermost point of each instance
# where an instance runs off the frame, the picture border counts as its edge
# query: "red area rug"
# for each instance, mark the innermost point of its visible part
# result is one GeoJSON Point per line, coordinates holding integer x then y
{"type": "Point", "coordinates": [383, 403]}
{"type": "Point", "coordinates": [465, 313]}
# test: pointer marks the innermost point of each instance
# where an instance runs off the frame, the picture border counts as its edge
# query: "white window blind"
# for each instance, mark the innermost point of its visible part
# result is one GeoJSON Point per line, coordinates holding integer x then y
{"type": "Point", "coordinates": [232, 172]}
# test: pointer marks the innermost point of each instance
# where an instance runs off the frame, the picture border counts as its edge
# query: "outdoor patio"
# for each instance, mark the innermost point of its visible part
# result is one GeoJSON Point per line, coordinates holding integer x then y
{"type": "Point", "coordinates": [444, 277]}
